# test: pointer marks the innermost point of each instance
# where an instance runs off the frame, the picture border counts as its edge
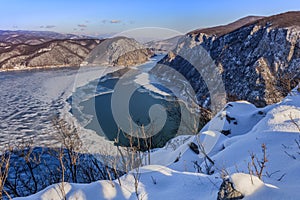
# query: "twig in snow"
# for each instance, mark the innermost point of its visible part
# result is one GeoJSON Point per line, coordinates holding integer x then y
{"type": "Point", "coordinates": [281, 177]}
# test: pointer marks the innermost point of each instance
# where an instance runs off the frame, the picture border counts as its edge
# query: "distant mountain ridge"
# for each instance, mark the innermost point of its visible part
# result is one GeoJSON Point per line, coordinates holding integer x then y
{"type": "Point", "coordinates": [35, 37]}
{"type": "Point", "coordinates": [282, 20]}
{"type": "Point", "coordinates": [64, 52]}
{"type": "Point", "coordinates": [31, 49]}
{"type": "Point", "coordinates": [225, 29]}
{"type": "Point", "coordinates": [164, 46]}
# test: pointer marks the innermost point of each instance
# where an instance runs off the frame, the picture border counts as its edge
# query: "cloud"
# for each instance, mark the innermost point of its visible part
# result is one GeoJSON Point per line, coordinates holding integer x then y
{"type": "Point", "coordinates": [115, 21]}
{"type": "Point", "coordinates": [48, 26]}
{"type": "Point", "coordinates": [82, 25]}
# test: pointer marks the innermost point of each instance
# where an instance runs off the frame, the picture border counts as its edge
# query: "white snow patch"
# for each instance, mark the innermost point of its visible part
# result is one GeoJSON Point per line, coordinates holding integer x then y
{"type": "Point", "coordinates": [245, 183]}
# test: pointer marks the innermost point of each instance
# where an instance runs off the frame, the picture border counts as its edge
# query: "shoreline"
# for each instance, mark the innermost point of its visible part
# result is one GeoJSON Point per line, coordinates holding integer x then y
{"type": "Point", "coordinates": [37, 68]}
{"type": "Point", "coordinates": [151, 59]}
{"type": "Point", "coordinates": [91, 139]}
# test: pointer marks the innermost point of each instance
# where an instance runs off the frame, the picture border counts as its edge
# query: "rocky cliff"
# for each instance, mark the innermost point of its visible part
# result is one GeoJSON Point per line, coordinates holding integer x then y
{"type": "Point", "coordinates": [118, 51]}
{"type": "Point", "coordinates": [258, 60]}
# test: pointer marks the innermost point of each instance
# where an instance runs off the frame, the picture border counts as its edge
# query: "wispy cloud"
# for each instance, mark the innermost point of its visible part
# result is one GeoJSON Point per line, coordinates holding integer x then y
{"type": "Point", "coordinates": [82, 25]}
{"type": "Point", "coordinates": [48, 26]}
{"type": "Point", "coordinates": [115, 21]}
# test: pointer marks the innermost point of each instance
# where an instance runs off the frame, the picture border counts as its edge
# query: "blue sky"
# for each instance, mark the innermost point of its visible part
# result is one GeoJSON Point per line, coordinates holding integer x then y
{"type": "Point", "coordinates": [112, 16]}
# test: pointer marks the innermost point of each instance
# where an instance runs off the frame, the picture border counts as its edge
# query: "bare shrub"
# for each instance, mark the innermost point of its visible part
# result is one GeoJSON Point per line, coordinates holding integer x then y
{"type": "Point", "coordinates": [69, 137]}
{"type": "Point", "coordinates": [62, 170]}
{"type": "Point", "coordinates": [136, 175]}
{"type": "Point", "coordinates": [4, 170]}
{"type": "Point", "coordinates": [294, 122]}
{"type": "Point", "coordinates": [32, 169]}
{"type": "Point", "coordinates": [258, 165]}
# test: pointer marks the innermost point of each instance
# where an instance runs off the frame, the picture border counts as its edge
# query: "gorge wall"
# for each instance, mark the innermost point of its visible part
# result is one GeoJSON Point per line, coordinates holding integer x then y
{"type": "Point", "coordinates": [258, 58]}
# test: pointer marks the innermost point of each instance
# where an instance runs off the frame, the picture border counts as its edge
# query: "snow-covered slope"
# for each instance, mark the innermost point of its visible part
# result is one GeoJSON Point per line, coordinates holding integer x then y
{"type": "Point", "coordinates": [174, 174]}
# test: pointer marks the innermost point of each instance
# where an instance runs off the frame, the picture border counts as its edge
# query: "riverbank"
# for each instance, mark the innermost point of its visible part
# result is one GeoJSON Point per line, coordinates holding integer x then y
{"type": "Point", "coordinates": [36, 68]}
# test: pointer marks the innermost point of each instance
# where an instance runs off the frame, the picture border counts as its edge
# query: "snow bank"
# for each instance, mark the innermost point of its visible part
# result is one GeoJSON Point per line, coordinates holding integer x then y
{"type": "Point", "coordinates": [245, 183]}
{"type": "Point", "coordinates": [156, 182]}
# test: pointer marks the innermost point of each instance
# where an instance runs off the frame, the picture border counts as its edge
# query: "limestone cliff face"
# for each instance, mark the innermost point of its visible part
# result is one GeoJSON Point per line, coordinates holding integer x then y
{"type": "Point", "coordinates": [118, 51]}
{"type": "Point", "coordinates": [256, 61]}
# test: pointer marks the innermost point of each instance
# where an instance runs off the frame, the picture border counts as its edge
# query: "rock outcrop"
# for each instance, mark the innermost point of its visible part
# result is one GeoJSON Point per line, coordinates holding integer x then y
{"type": "Point", "coordinates": [118, 51]}
{"type": "Point", "coordinates": [228, 192]}
{"type": "Point", "coordinates": [258, 61]}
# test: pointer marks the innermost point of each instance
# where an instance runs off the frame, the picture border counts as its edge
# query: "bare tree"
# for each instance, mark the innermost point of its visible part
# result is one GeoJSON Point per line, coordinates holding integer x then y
{"type": "Point", "coordinates": [69, 137]}
{"type": "Point", "coordinates": [62, 169]}
{"type": "Point", "coordinates": [4, 170]}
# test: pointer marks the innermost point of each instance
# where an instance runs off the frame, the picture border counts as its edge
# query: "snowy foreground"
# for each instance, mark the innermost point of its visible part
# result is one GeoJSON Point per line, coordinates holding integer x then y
{"type": "Point", "coordinates": [250, 127]}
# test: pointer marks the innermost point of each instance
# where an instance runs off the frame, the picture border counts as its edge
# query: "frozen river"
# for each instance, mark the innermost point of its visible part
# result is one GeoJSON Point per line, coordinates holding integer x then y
{"type": "Point", "coordinates": [29, 100]}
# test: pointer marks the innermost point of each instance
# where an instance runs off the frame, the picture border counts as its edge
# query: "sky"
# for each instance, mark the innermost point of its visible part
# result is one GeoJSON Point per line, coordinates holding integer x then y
{"type": "Point", "coordinates": [96, 17]}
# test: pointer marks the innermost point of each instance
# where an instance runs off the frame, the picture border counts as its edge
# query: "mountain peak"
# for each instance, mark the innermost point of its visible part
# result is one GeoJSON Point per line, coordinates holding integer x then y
{"type": "Point", "coordinates": [282, 20]}
{"type": "Point", "coordinates": [224, 29]}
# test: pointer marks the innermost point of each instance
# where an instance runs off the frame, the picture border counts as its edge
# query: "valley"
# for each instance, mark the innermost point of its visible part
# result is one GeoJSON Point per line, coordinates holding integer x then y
{"type": "Point", "coordinates": [211, 113]}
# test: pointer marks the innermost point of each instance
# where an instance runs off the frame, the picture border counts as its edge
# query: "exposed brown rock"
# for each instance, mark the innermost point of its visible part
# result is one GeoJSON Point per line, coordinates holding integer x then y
{"type": "Point", "coordinates": [228, 192]}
